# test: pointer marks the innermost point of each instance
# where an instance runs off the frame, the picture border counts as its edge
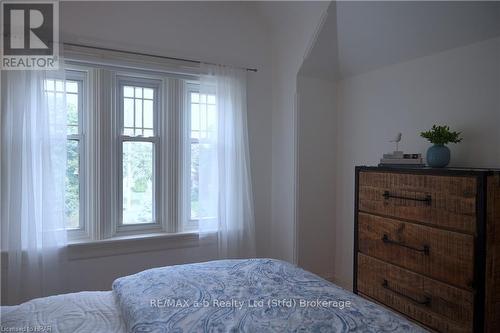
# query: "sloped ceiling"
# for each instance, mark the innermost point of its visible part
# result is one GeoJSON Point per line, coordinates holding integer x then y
{"type": "Point", "coordinates": [322, 61]}
{"type": "Point", "coordinates": [363, 36]}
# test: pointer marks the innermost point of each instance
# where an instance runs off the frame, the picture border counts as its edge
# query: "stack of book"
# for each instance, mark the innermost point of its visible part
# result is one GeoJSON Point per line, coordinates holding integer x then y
{"type": "Point", "coordinates": [400, 159]}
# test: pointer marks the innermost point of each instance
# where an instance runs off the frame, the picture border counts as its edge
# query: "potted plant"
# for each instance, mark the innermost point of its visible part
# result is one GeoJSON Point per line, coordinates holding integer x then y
{"type": "Point", "coordinates": [438, 156]}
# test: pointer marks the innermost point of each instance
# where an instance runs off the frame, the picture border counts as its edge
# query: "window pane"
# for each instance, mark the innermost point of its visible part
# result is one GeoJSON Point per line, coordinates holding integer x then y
{"type": "Point", "coordinates": [60, 100]}
{"type": "Point", "coordinates": [59, 85]}
{"type": "Point", "coordinates": [138, 92]}
{"type": "Point", "coordinates": [72, 86]}
{"type": "Point", "coordinates": [195, 97]}
{"type": "Point", "coordinates": [195, 117]}
{"type": "Point", "coordinates": [211, 119]}
{"type": "Point", "coordinates": [128, 112]}
{"type": "Point", "coordinates": [148, 114]}
{"type": "Point", "coordinates": [137, 182]}
{"type": "Point", "coordinates": [51, 97]}
{"type": "Point", "coordinates": [203, 119]}
{"type": "Point", "coordinates": [72, 185]}
{"type": "Point", "coordinates": [128, 131]}
{"type": "Point", "coordinates": [138, 116]}
{"type": "Point", "coordinates": [138, 111]}
{"type": "Point", "coordinates": [128, 91]}
{"type": "Point", "coordinates": [148, 133]}
{"type": "Point", "coordinates": [148, 93]}
{"type": "Point", "coordinates": [72, 107]}
{"type": "Point", "coordinates": [49, 85]}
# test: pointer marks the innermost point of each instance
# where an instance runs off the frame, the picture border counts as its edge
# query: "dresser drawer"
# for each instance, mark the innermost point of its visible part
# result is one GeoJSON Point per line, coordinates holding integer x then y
{"type": "Point", "coordinates": [444, 255]}
{"type": "Point", "coordinates": [435, 304]}
{"type": "Point", "coordinates": [435, 200]}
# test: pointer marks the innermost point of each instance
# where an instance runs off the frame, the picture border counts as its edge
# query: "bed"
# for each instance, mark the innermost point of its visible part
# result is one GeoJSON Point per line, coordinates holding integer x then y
{"type": "Point", "coordinates": [254, 295]}
{"type": "Point", "coordinates": [88, 311]}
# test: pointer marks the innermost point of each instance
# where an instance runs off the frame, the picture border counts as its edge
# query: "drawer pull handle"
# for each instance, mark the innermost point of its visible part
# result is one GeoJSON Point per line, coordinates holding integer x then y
{"type": "Point", "coordinates": [427, 199]}
{"type": "Point", "coordinates": [426, 301]}
{"type": "Point", "coordinates": [425, 249]}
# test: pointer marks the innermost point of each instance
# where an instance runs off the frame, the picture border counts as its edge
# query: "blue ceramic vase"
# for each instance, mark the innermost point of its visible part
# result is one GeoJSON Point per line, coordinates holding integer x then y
{"type": "Point", "coordinates": [438, 156]}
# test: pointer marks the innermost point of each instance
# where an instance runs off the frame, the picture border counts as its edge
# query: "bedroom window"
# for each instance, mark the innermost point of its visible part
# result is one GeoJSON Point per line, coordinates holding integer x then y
{"type": "Point", "coordinates": [68, 94]}
{"type": "Point", "coordinates": [135, 140]}
{"type": "Point", "coordinates": [138, 151]}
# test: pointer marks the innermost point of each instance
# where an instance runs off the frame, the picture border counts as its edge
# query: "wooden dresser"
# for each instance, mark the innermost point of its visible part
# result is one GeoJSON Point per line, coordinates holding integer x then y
{"type": "Point", "coordinates": [427, 244]}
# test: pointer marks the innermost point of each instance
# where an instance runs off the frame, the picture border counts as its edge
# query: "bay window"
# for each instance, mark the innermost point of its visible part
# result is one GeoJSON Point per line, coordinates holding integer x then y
{"type": "Point", "coordinates": [127, 156]}
{"type": "Point", "coordinates": [126, 149]}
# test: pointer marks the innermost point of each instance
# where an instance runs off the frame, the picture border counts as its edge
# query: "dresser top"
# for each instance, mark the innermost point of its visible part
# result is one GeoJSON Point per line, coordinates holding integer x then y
{"type": "Point", "coordinates": [457, 171]}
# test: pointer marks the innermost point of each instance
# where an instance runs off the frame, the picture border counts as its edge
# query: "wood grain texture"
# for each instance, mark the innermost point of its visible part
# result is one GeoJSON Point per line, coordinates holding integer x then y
{"type": "Point", "coordinates": [460, 224]}
{"type": "Point", "coordinates": [452, 205]}
{"type": "Point", "coordinates": [492, 302]}
{"type": "Point", "coordinates": [450, 309]}
{"type": "Point", "coordinates": [394, 309]}
{"type": "Point", "coordinates": [450, 258]}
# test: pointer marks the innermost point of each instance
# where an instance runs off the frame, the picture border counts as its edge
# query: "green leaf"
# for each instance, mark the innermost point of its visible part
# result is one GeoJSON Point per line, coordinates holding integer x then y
{"type": "Point", "coordinates": [441, 135]}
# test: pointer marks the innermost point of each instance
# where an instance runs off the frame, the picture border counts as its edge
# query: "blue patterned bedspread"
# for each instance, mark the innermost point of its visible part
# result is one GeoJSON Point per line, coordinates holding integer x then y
{"type": "Point", "coordinates": [255, 295]}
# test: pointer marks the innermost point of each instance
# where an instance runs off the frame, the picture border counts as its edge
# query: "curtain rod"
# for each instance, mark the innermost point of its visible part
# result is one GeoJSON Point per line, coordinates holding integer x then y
{"type": "Point", "coordinates": [150, 55]}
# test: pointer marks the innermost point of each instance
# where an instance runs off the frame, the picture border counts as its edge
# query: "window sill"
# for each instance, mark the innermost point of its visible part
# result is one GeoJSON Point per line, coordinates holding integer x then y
{"type": "Point", "coordinates": [137, 243]}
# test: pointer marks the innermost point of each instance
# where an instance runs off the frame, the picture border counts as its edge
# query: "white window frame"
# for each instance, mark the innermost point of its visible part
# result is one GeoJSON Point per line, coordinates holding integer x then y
{"type": "Point", "coordinates": [74, 73]}
{"type": "Point", "coordinates": [81, 79]}
{"type": "Point", "coordinates": [187, 222]}
{"type": "Point", "coordinates": [156, 226]}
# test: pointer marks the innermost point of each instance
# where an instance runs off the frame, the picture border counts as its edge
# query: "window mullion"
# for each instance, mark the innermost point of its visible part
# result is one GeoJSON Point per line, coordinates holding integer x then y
{"type": "Point", "coordinates": [172, 152]}
{"type": "Point", "coordinates": [106, 152]}
{"type": "Point", "coordinates": [164, 157]}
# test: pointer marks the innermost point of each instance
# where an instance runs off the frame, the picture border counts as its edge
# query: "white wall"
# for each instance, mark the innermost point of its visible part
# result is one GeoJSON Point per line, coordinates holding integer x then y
{"type": "Point", "coordinates": [293, 28]}
{"type": "Point", "coordinates": [458, 87]}
{"type": "Point", "coordinates": [98, 273]}
{"type": "Point", "coordinates": [316, 162]}
{"type": "Point", "coordinates": [316, 155]}
{"type": "Point", "coordinates": [227, 33]}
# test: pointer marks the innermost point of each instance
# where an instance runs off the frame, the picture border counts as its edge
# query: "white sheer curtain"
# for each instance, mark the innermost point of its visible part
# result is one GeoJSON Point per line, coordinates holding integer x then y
{"type": "Point", "coordinates": [33, 156]}
{"type": "Point", "coordinates": [225, 187]}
